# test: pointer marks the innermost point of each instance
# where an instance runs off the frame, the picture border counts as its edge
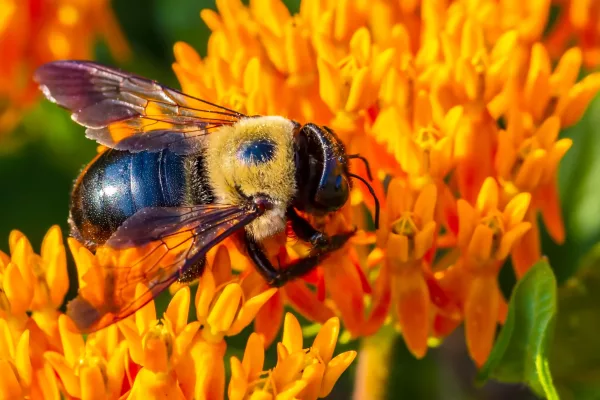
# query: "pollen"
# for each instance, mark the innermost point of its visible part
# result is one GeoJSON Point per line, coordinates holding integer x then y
{"type": "Point", "coordinates": [427, 138]}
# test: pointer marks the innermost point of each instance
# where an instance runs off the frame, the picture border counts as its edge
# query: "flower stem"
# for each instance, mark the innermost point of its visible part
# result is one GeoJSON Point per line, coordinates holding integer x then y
{"type": "Point", "coordinates": [373, 369]}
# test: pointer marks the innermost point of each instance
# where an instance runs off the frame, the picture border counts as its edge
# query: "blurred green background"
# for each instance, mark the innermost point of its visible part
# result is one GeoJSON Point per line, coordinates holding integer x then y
{"type": "Point", "coordinates": [42, 157]}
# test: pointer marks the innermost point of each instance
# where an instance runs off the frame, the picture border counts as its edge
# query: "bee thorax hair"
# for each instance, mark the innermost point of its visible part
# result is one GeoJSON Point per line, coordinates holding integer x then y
{"type": "Point", "coordinates": [270, 223]}
{"type": "Point", "coordinates": [254, 157]}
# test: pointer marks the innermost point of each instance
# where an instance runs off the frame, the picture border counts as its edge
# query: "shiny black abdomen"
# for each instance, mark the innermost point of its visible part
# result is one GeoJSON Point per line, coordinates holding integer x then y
{"type": "Point", "coordinates": [117, 184]}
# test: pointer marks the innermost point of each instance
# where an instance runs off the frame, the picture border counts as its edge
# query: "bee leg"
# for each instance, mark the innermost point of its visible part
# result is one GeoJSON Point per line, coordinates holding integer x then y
{"type": "Point", "coordinates": [319, 240]}
{"type": "Point", "coordinates": [323, 245]}
{"type": "Point", "coordinates": [192, 272]}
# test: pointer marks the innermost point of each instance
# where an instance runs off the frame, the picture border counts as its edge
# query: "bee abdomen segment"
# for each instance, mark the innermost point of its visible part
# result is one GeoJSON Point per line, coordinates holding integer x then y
{"type": "Point", "coordinates": [117, 184]}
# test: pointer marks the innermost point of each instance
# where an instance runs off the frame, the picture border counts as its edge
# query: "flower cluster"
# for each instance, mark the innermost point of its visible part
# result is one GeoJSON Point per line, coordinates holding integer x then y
{"type": "Point", "coordinates": [457, 105]}
{"type": "Point", "coordinates": [458, 113]}
{"type": "Point", "coordinates": [579, 23]}
{"type": "Point", "coordinates": [33, 32]}
{"type": "Point", "coordinates": [146, 355]}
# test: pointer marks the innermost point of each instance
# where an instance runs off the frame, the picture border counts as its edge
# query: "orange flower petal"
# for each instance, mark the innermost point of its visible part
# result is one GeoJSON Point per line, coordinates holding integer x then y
{"type": "Point", "coordinates": [91, 383]}
{"type": "Point", "coordinates": [527, 251]}
{"type": "Point", "coordinates": [224, 310]}
{"type": "Point", "coordinates": [425, 203]}
{"type": "Point", "coordinates": [509, 239]}
{"type": "Point", "coordinates": [424, 240]}
{"type": "Point", "coordinates": [145, 315]}
{"type": "Point", "coordinates": [54, 254]}
{"type": "Point", "coordinates": [515, 210]}
{"type": "Point", "coordinates": [313, 376]}
{"type": "Point", "coordinates": [412, 309]}
{"type": "Point", "coordinates": [571, 107]}
{"type": "Point", "coordinates": [238, 384]}
{"type": "Point", "coordinates": [204, 295]}
{"type": "Point", "coordinates": [288, 369]}
{"type": "Point", "coordinates": [306, 302]}
{"type": "Point", "coordinates": [65, 372]}
{"type": "Point", "coordinates": [481, 313]}
{"type": "Point", "coordinates": [23, 359]}
{"type": "Point", "coordinates": [156, 356]}
{"type": "Point", "coordinates": [467, 217]}
{"type": "Point", "coordinates": [488, 196]}
{"type": "Point", "coordinates": [72, 343]}
{"type": "Point", "coordinates": [268, 320]}
{"type": "Point", "coordinates": [254, 356]}
{"type": "Point", "coordinates": [335, 368]}
{"type": "Point", "coordinates": [178, 309]}
{"type": "Point", "coordinates": [9, 384]}
{"type": "Point", "coordinates": [326, 339]}
{"type": "Point", "coordinates": [551, 211]}
{"type": "Point", "coordinates": [18, 292]}
{"type": "Point", "coordinates": [480, 247]}
{"type": "Point", "coordinates": [249, 309]}
{"type": "Point", "coordinates": [397, 248]}
{"type": "Point", "coordinates": [292, 334]}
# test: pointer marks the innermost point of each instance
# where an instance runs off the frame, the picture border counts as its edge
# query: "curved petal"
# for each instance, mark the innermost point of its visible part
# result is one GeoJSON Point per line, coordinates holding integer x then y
{"type": "Point", "coordinates": [9, 384]}
{"type": "Point", "coordinates": [412, 308]}
{"type": "Point", "coordinates": [238, 384]}
{"type": "Point", "coordinates": [178, 309]}
{"type": "Point", "coordinates": [335, 368]}
{"type": "Point", "coordinates": [326, 339]}
{"type": "Point", "coordinates": [224, 310]}
{"type": "Point", "coordinates": [92, 383]}
{"type": "Point", "coordinates": [292, 334]}
{"type": "Point", "coordinates": [249, 310]}
{"type": "Point", "coordinates": [481, 315]}
{"type": "Point", "coordinates": [268, 320]}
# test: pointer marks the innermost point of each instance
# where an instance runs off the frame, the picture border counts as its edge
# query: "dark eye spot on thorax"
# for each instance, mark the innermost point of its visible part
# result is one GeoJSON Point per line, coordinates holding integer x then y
{"type": "Point", "coordinates": [256, 151]}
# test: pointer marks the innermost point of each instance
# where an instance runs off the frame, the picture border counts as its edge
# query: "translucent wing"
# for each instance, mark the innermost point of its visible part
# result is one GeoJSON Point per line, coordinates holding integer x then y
{"type": "Point", "coordinates": [153, 247]}
{"type": "Point", "coordinates": [127, 112]}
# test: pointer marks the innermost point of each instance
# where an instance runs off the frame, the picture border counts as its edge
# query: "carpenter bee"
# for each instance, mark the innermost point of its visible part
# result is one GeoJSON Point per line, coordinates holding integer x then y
{"type": "Point", "coordinates": [176, 163]}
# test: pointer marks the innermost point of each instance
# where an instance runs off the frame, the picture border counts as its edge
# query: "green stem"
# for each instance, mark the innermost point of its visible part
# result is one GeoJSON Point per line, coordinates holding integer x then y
{"type": "Point", "coordinates": [373, 369]}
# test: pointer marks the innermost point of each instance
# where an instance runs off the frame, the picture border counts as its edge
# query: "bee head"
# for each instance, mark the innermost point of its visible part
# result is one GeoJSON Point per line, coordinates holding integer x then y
{"type": "Point", "coordinates": [322, 174]}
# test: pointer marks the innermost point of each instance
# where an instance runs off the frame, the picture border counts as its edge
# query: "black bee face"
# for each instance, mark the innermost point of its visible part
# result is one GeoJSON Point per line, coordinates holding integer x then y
{"type": "Point", "coordinates": [321, 170]}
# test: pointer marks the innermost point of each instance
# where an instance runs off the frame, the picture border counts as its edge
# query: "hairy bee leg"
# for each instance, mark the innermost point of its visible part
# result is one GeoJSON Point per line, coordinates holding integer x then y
{"type": "Point", "coordinates": [279, 277]}
{"type": "Point", "coordinates": [192, 272]}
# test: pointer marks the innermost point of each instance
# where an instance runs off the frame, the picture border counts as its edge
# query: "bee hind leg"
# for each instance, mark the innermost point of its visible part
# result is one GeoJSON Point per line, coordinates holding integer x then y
{"type": "Point", "coordinates": [192, 272]}
{"type": "Point", "coordinates": [322, 244]}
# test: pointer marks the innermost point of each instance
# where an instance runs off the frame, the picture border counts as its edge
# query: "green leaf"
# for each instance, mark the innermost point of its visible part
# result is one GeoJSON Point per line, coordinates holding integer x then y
{"type": "Point", "coordinates": [521, 350]}
{"type": "Point", "coordinates": [575, 357]}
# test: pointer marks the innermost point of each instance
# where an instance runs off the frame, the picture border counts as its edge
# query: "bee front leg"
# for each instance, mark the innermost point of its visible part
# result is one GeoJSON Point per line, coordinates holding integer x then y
{"type": "Point", "coordinates": [319, 240]}
{"type": "Point", "coordinates": [322, 244]}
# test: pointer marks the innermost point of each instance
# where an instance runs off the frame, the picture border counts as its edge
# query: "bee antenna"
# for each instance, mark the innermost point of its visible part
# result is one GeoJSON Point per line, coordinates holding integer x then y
{"type": "Point", "coordinates": [364, 160]}
{"type": "Point", "coordinates": [363, 180]}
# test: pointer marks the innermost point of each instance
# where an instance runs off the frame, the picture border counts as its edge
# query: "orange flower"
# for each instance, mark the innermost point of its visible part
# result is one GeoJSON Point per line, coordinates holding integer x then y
{"type": "Point", "coordinates": [90, 370]}
{"type": "Point", "coordinates": [406, 235]}
{"type": "Point", "coordinates": [455, 104]}
{"type": "Point", "coordinates": [33, 32]}
{"type": "Point", "coordinates": [15, 364]}
{"type": "Point", "coordinates": [419, 89]}
{"type": "Point", "coordinates": [528, 162]}
{"type": "Point", "coordinates": [299, 373]}
{"type": "Point", "coordinates": [486, 237]}
{"type": "Point", "coordinates": [33, 287]}
{"type": "Point", "coordinates": [222, 309]}
{"type": "Point", "coordinates": [161, 348]}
